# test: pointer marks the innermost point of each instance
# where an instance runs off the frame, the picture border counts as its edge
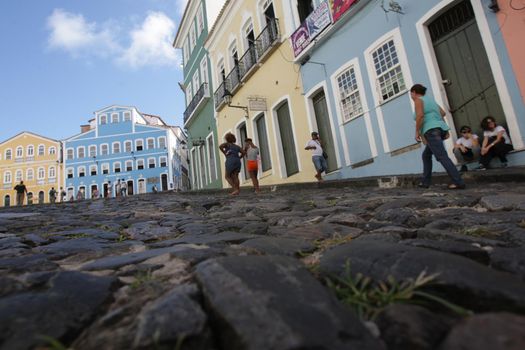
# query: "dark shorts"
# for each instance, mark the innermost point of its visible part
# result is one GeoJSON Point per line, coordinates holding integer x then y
{"type": "Point", "coordinates": [233, 166]}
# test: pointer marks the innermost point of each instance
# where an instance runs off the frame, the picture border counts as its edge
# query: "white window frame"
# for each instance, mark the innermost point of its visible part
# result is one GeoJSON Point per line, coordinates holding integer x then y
{"type": "Point", "coordinates": [104, 168]}
{"type": "Point", "coordinates": [41, 173]}
{"type": "Point", "coordinates": [137, 141]}
{"type": "Point", "coordinates": [52, 150]}
{"type": "Point", "coordinates": [102, 146]}
{"type": "Point", "coordinates": [30, 174]}
{"type": "Point", "coordinates": [8, 154]}
{"type": "Point", "coordinates": [140, 162]}
{"type": "Point", "coordinates": [115, 167]}
{"type": "Point", "coordinates": [193, 37]}
{"type": "Point", "coordinates": [354, 66]}
{"type": "Point", "coordinates": [19, 152]}
{"type": "Point", "coordinates": [8, 178]}
{"type": "Point", "coordinates": [148, 140]}
{"type": "Point", "coordinates": [41, 150]}
{"type": "Point", "coordinates": [129, 162]}
{"type": "Point", "coordinates": [90, 149]}
{"type": "Point", "coordinates": [19, 175]}
{"type": "Point", "coordinates": [81, 169]}
{"type": "Point", "coordinates": [152, 161]}
{"type": "Point", "coordinates": [103, 119]}
{"type": "Point", "coordinates": [52, 172]}
{"type": "Point", "coordinates": [126, 148]}
{"type": "Point", "coordinates": [127, 116]}
{"type": "Point", "coordinates": [83, 149]}
{"type": "Point", "coordinates": [162, 140]}
{"type": "Point", "coordinates": [70, 171]}
{"type": "Point", "coordinates": [115, 118]}
{"type": "Point", "coordinates": [211, 155]}
{"type": "Point", "coordinates": [91, 167]}
{"type": "Point", "coordinates": [200, 20]}
{"type": "Point", "coordinates": [186, 51]}
{"type": "Point", "coordinates": [196, 81]}
{"type": "Point", "coordinates": [30, 151]}
{"type": "Point", "coordinates": [70, 154]}
{"type": "Point", "coordinates": [164, 160]}
{"type": "Point", "coordinates": [204, 69]}
{"type": "Point", "coordinates": [115, 147]}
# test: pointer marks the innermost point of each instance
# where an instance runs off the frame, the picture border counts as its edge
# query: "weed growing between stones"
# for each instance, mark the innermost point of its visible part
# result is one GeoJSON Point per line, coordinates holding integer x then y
{"type": "Point", "coordinates": [121, 238]}
{"type": "Point", "coordinates": [369, 298]}
{"type": "Point", "coordinates": [78, 235]}
{"type": "Point", "coordinates": [141, 278]}
{"type": "Point", "coordinates": [335, 240]}
{"type": "Point", "coordinates": [53, 344]}
{"type": "Point", "coordinates": [481, 232]}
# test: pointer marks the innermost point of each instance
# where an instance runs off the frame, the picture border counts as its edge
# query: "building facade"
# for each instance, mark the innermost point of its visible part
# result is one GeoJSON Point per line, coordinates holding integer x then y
{"type": "Point", "coordinates": [33, 159]}
{"type": "Point", "coordinates": [258, 90]}
{"type": "Point", "coordinates": [199, 118]}
{"type": "Point", "coordinates": [121, 144]}
{"type": "Point", "coordinates": [359, 96]}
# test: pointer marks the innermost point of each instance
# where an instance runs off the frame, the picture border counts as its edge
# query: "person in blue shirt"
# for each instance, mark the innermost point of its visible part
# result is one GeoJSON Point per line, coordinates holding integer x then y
{"type": "Point", "coordinates": [431, 129]}
{"type": "Point", "coordinates": [233, 154]}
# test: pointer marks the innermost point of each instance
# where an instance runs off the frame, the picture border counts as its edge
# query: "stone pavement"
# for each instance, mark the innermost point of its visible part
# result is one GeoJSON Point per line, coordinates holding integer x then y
{"type": "Point", "coordinates": [209, 271]}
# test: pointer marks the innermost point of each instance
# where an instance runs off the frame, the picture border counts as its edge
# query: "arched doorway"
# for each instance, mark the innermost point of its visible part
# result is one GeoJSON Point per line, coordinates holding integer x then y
{"type": "Point", "coordinates": [142, 186]}
{"type": "Point", "coordinates": [7, 200]}
{"type": "Point", "coordinates": [30, 198]}
{"type": "Point", "coordinates": [130, 188]}
{"type": "Point", "coordinates": [41, 197]}
{"type": "Point", "coordinates": [94, 195]}
{"type": "Point", "coordinates": [465, 67]}
{"type": "Point", "coordinates": [164, 182]}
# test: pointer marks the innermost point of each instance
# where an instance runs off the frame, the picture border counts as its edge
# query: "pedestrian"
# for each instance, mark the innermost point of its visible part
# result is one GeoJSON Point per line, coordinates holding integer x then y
{"type": "Point", "coordinates": [252, 157]}
{"type": "Point", "coordinates": [233, 154]}
{"type": "Point", "coordinates": [118, 187]}
{"type": "Point", "coordinates": [52, 195]}
{"type": "Point", "coordinates": [63, 195]}
{"type": "Point", "coordinates": [21, 191]}
{"type": "Point", "coordinates": [431, 129]}
{"type": "Point", "coordinates": [496, 143]}
{"type": "Point", "coordinates": [318, 155]}
{"type": "Point", "coordinates": [95, 194]}
{"type": "Point", "coordinates": [123, 188]}
{"type": "Point", "coordinates": [154, 189]}
{"type": "Point", "coordinates": [467, 147]}
{"type": "Point", "coordinates": [79, 195]}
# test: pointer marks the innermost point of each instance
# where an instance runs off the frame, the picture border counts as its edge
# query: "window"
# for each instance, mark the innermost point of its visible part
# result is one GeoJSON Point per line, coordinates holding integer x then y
{"type": "Point", "coordinates": [8, 154]}
{"type": "Point", "coordinates": [105, 168]}
{"type": "Point", "coordinates": [18, 175]}
{"type": "Point", "coordinates": [262, 138]}
{"type": "Point", "coordinates": [92, 151]}
{"type": "Point", "coordinates": [69, 173]}
{"type": "Point", "coordinates": [193, 165]}
{"type": "Point", "coordinates": [103, 119]}
{"type": "Point", "coordinates": [116, 147]}
{"type": "Point", "coordinates": [30, 174]}
{"type": "Point", "coordinates": [41, 150]}
{"type": "Point", "coordinates": [127, 116]}
{"type": "Point", "coordinates": [188, 92]}
{"type": "Point", "coordinates": [7, 177]}
{"type": "Point", "coordinates": [114, 118]}
{"type": "Point", "coordinates": [139, 145]}
{"type": "Point", "coordinates": [41, 173]}
{"type": "Point", "coordinates": [349, 95]}
{"type": "Point", "coordinates": [204, 70]}
{"type": "Point", "coordinates": [30, 150]}
{"type": "Point", "coordinates": [151, 143]}
{"type": "Point", "coordinates": [116, 167]}
{"type": "Point", "coordinates": [200, 20]}
{"type": "Point", "coordinates": [127, 146]}
{"type": "Point", "coordinates": [81, 171]}
{"type": "Point", "coordinates": [19, 152]}
{"type": "Point", "coordinates": [140, 164]}
{"type": "Point", "coordinates": [162, 142]}
{"type": "Point", "coordinates": [151, 163]}
{"type": "Point", "coordinates": [234, 57]}
{"type": "Point", "coordinates": [186, 51]}
{"type": "Point", "coordinates": [163, 162]}
{"type": "Point", "coordinates": [93, 170]}
{"type": "Point", "coordinates": [193, 40]}
{"type": "Point", "coordinates": [196, 82]}
{"type": "Point", "coordinates": [81, 152]}
{"type": "Point", "coordinates": [52, 172]}
{"type": "Point", "coordinates": [129, 165]}
{"type": "Point", "coordinates": [69, 154]}
{"type": "Point", "coordinates": [52, 150]}
{"type": "Point", "coordinates": [389, 76]}
{"type": "Point", "coordinates": [104, 149]}
{"type": "Point", "coordinates": [211, 156]}
{"type": "Point", "coordinates": [222, 71]}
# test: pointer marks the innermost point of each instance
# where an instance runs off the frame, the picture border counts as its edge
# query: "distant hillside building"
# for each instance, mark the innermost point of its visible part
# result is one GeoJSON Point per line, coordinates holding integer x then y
{"type": "Point", "coordinates": [33, 159]}
{"type": "Point", "coordinates": [121, 143]}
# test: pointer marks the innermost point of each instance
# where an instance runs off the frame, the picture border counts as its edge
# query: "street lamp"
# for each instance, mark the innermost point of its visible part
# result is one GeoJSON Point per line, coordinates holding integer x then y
{"type": "Point", "coordinates": [227, 97]}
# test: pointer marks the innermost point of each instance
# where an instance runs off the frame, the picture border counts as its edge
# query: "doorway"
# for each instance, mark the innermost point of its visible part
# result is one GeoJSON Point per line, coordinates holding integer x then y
{"type": "Point", "coordinates": [130, 187]}
{"type": "Point", "coordinates": [93, 193]}
{"type": "Point", "coordinates": [164, 182]}
{"type": "Point", "coordinates": [41, 197]}
{"type": "Point", "coordinates": [142, 186]}
{"type": "Point", "coordinates": [243, 135]}
{"type": "Point", "coordinates": [287, 140]}
{"type": "Point", "coordinates": [324, 129]}
{"type": "Point", "coordinates": [106, 190]}
{"type": "Point", "coordinates": [30, 198]}
{"type": "Point", "coordinates": [7, 201]}
{"type": "Point", "coordinates": [465, 68]}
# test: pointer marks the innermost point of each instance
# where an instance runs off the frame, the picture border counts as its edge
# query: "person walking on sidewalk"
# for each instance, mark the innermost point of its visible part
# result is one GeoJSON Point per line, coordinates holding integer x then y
{"type": "Point", "coordinates": [318, 155]}
{"type": "Point", "coordinates": [431, 129]}
{"type": "Point", "coordinates": [52, 195]}
{"type": "Point", "coordinates": [21, 190]}
{"type": "Point", "coordinates": [252, 157]}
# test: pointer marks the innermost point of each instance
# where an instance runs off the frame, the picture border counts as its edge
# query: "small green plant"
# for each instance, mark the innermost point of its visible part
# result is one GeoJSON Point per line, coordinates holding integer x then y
{"type": "Point", "coordinates": [310, 203]}
{"type": "Point", "coordinates": [369, 298]}
{"type": "Point", "coordinates": [335, 240]}
{"type": "Point", "coordinates": [141, 278]}
{"type": "Point", "coordinates": [332, 202]}
{"type": "Point", "coordinates": [78, 235]}
{"type": "Point", "coordinates": [482, 232]}
{"type": "Point", "coordinates": [53, 343]}
{"type": "Point", "coordinates": [121, 238]}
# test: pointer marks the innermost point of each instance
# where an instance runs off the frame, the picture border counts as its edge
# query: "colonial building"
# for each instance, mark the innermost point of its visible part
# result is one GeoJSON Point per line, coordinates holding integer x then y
{"type": "Point", "coordinates": [33, 159]}
{"type": "Point", "coordinates": [359, 59]}
{"type": "Point", "coordinates": [122, 144]}
{"type": "Point", "coordinates": [199, 119]}
{"type": "Point", "coordinates": [258, 90]}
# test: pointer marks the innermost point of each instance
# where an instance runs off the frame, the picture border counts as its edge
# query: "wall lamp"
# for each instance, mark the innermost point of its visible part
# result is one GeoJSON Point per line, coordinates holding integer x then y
{"type": "Point", "coordinates": [228, 99]}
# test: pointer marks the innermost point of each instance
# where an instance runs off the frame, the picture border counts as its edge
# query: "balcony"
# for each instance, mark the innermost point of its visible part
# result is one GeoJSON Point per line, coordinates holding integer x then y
{"type": "Point", "coordinates": [197, 102]}
{"type": "Point", "coordinates": [249, 62]}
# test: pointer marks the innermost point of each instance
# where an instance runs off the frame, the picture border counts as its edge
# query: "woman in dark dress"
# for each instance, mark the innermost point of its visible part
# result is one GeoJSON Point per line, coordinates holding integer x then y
{"type": "Point", "coordinates": [233, 154]}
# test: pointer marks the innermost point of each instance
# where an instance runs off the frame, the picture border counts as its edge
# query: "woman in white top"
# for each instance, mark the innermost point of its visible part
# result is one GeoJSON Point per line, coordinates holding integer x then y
{"type": "Point", "coordinates": [496, 143]}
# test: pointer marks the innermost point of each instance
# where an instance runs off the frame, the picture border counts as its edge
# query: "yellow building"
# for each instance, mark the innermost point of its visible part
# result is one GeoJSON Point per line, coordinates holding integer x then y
{"type": "Point", "coordinates": [33, 159]}
{"type": "Point", "coordinates": [258, 89]}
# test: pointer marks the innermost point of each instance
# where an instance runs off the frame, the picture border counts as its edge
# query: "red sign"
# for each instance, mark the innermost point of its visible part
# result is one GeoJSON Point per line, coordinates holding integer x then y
{"type": "Point", "coordinates": [339, 7]}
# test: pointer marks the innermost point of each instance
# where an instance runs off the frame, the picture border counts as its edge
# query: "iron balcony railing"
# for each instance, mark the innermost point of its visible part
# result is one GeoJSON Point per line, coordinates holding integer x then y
{"type": "Point", "coordinates": [201, 94]}
{"type": "Point", "coordinates": [256, 51]}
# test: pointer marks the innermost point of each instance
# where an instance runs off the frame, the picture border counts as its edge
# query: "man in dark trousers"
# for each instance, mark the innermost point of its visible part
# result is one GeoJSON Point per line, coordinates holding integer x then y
{"type": "Point", "coordinates": [21, 190]}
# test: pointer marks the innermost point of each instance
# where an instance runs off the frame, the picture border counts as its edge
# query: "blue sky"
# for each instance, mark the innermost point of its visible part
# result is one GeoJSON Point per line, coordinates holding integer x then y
{"type": "Point", "coordinates": [62, 60]}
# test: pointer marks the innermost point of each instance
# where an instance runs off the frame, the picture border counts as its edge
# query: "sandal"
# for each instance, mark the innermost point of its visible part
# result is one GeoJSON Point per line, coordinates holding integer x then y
{"type": "Point", "coordinates": [456, 187]}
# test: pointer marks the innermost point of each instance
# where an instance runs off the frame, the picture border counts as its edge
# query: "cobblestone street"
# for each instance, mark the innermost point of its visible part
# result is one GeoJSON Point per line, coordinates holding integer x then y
{"type": "Point", "coordinates": [212, 271]}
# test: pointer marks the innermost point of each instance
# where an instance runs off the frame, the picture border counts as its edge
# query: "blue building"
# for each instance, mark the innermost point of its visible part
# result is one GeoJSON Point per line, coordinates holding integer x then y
{"type": "Point", "coordinates": [122, 144]}
{"type": "Point", "coordinates": [359, 59]}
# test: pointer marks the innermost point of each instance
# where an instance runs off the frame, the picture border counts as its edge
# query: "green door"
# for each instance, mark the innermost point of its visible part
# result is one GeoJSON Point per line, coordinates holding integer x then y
{"type": "Point", "coordinates": [324, 129]}
{"type": "Point", "coordinates": [287, 140]}
{"type": "Point", "coordinates": [465, 67]}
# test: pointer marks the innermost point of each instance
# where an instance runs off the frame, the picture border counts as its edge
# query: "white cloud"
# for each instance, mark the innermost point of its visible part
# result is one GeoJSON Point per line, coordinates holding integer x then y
{"type": "Point", "coordinates": [147, 45]}
{"type": "Point", "coordinates": [72, 33]}
{"type": "Point", "coordinates": [151, 43]}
